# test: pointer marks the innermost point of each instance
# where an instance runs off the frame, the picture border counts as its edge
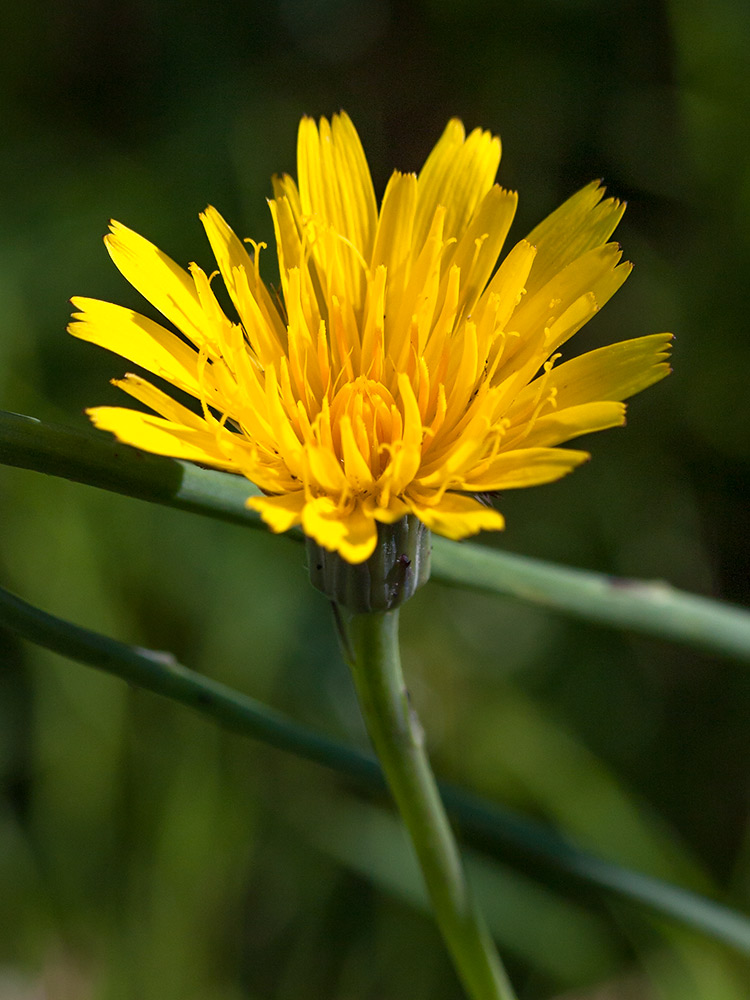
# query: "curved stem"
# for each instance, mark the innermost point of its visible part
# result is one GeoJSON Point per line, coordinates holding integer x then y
{"type": "Point", "coordinates": [373, 654]}
{"type": "Point", "coordinates": [488, 826]}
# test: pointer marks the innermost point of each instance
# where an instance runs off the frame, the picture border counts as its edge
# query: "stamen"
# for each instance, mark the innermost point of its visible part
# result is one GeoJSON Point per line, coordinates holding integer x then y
{"type": "Point", "coordinates": [539, 402]}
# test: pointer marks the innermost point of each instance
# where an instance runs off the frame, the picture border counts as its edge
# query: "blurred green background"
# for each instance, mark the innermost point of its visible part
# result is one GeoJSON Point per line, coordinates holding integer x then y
{"type": "Point", "coordinates": [145, 855]}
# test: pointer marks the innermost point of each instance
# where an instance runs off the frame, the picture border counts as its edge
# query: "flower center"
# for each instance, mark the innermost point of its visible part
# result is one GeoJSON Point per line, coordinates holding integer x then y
{"type": "Point", "coordinates": [364, 416]}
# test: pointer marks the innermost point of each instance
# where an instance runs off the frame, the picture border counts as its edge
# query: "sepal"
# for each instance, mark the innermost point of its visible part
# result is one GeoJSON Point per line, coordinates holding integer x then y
{"type": "Point", "coordinates": [399, 565]}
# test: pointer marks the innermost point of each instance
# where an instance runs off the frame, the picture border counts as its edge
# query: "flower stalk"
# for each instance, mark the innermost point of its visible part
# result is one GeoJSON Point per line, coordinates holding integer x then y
{"type": "Point", "coordinates": [373, 653]}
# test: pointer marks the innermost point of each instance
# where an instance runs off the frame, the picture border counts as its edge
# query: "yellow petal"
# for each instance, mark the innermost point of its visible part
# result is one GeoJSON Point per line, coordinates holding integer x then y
{"type": "Point", "coordinates": [156, 276]}
{"type": "Point", "coordinates": [353, 535]}
{"type": "Point", "coordinates": [161, 437]}
{"type": "Point", "coordinates": [581, 223]}
{"type": "Point", "coordinates": [392, 371]}
{"type": "Point", "coordinates": [613, 372]}
{"type": "Point", "coordinates": [356, 467]}
{"type": "Point", "coordinates": [360, 537]}
{"type": "Point", "coordinates": [563, 425]}
{"type": "Point", "coordinates": [291, 255]}
{"type": "Point", "coordinates": [457, 516]}
{"type": "Point", "coordinates": [358, 194]}
{"type": "Point", "coordinates": [407, 451]}
{"type": "Point", "coordinates": [338, 204]}
{"type": "Point", "coordinates": [325, 469]}
{"type": "Point", "coordinates": [393, 239]}
{"type": "Point", "coordinates": [287, 233]}
{"type": "Point", "coordinates": [334, 179]}
{"type": "Point", "coordinates": [395, 510]}
{"type": "Point", "coordinates": [282, 422]}
{"type": "Point", "coordinates": [478, 249]}
{"type": "Point", "coordinates": [232, 257]}
{"type": "Point", "coordinates": [136, 339]}
{"type": "Point", "coordinates": [159, 401]}
{"type": "Point", "coordinates": [525, 467]}
{"type": "Point", "coordinates": [508, 285]}
{"type": "Point", "coordinates": [581, 277]}
{"type": "Point", "coordinates": [457, 175]}
{"type": "Point", "coordinates": [280, 513]}
{"type": "Point", "coordinates": [433, 174]}
{"type": "Point", "coordinates": [285, 186]}
{"type": "Point", "coordinates": [562, 306]}
{"type": "Point", "coordinates": [228, 249]}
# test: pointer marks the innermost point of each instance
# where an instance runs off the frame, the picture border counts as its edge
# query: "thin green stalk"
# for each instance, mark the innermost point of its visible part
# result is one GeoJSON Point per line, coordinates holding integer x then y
{"type": "Point", "coordinates": [394, 729]}
{"type": "Point", "coordinates": [652, 607]}
{"type": "Point", "coordinates": [100, 460]}
{"type": "Point", "coordinates": [491, 828]}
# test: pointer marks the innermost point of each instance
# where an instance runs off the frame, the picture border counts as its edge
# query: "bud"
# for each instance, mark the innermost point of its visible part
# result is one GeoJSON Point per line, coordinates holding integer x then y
{"type": "Point", "coordinates": [398, 566]}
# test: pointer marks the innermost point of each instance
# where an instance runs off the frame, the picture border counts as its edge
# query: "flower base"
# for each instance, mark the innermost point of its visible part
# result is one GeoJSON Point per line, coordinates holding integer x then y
{"type": "Point", "coordinates": [399, 565]}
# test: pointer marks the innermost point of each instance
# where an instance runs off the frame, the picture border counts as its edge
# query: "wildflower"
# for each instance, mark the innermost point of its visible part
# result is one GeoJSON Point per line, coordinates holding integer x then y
{"type": "Point", "coordinates": [395, 374]}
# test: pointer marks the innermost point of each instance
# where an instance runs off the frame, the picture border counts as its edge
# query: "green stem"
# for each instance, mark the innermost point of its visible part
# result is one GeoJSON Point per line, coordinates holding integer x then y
{"type": "Point", "coordinates": [488, 826]}
{"type": "Point", "coordinates": [373, 652]}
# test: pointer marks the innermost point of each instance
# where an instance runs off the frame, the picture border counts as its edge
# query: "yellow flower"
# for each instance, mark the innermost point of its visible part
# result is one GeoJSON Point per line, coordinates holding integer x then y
{"type": "Point", "coordinates": [395, 373]}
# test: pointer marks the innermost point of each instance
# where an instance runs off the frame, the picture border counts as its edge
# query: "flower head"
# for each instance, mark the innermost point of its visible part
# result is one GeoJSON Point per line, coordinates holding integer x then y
{"type": "Point", "coordinates": [395, 373]}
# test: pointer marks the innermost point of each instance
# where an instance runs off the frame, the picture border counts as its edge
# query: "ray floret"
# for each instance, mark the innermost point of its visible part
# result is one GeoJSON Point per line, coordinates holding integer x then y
{"type": "Point", "coordinates": [400, 371]}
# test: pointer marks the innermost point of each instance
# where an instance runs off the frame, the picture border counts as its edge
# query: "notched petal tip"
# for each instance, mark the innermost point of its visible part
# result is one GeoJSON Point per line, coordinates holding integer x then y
{"type": "Point", "coordinates": [118, 230]}
{"type": "Point", "coordinates": [98, 417]}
